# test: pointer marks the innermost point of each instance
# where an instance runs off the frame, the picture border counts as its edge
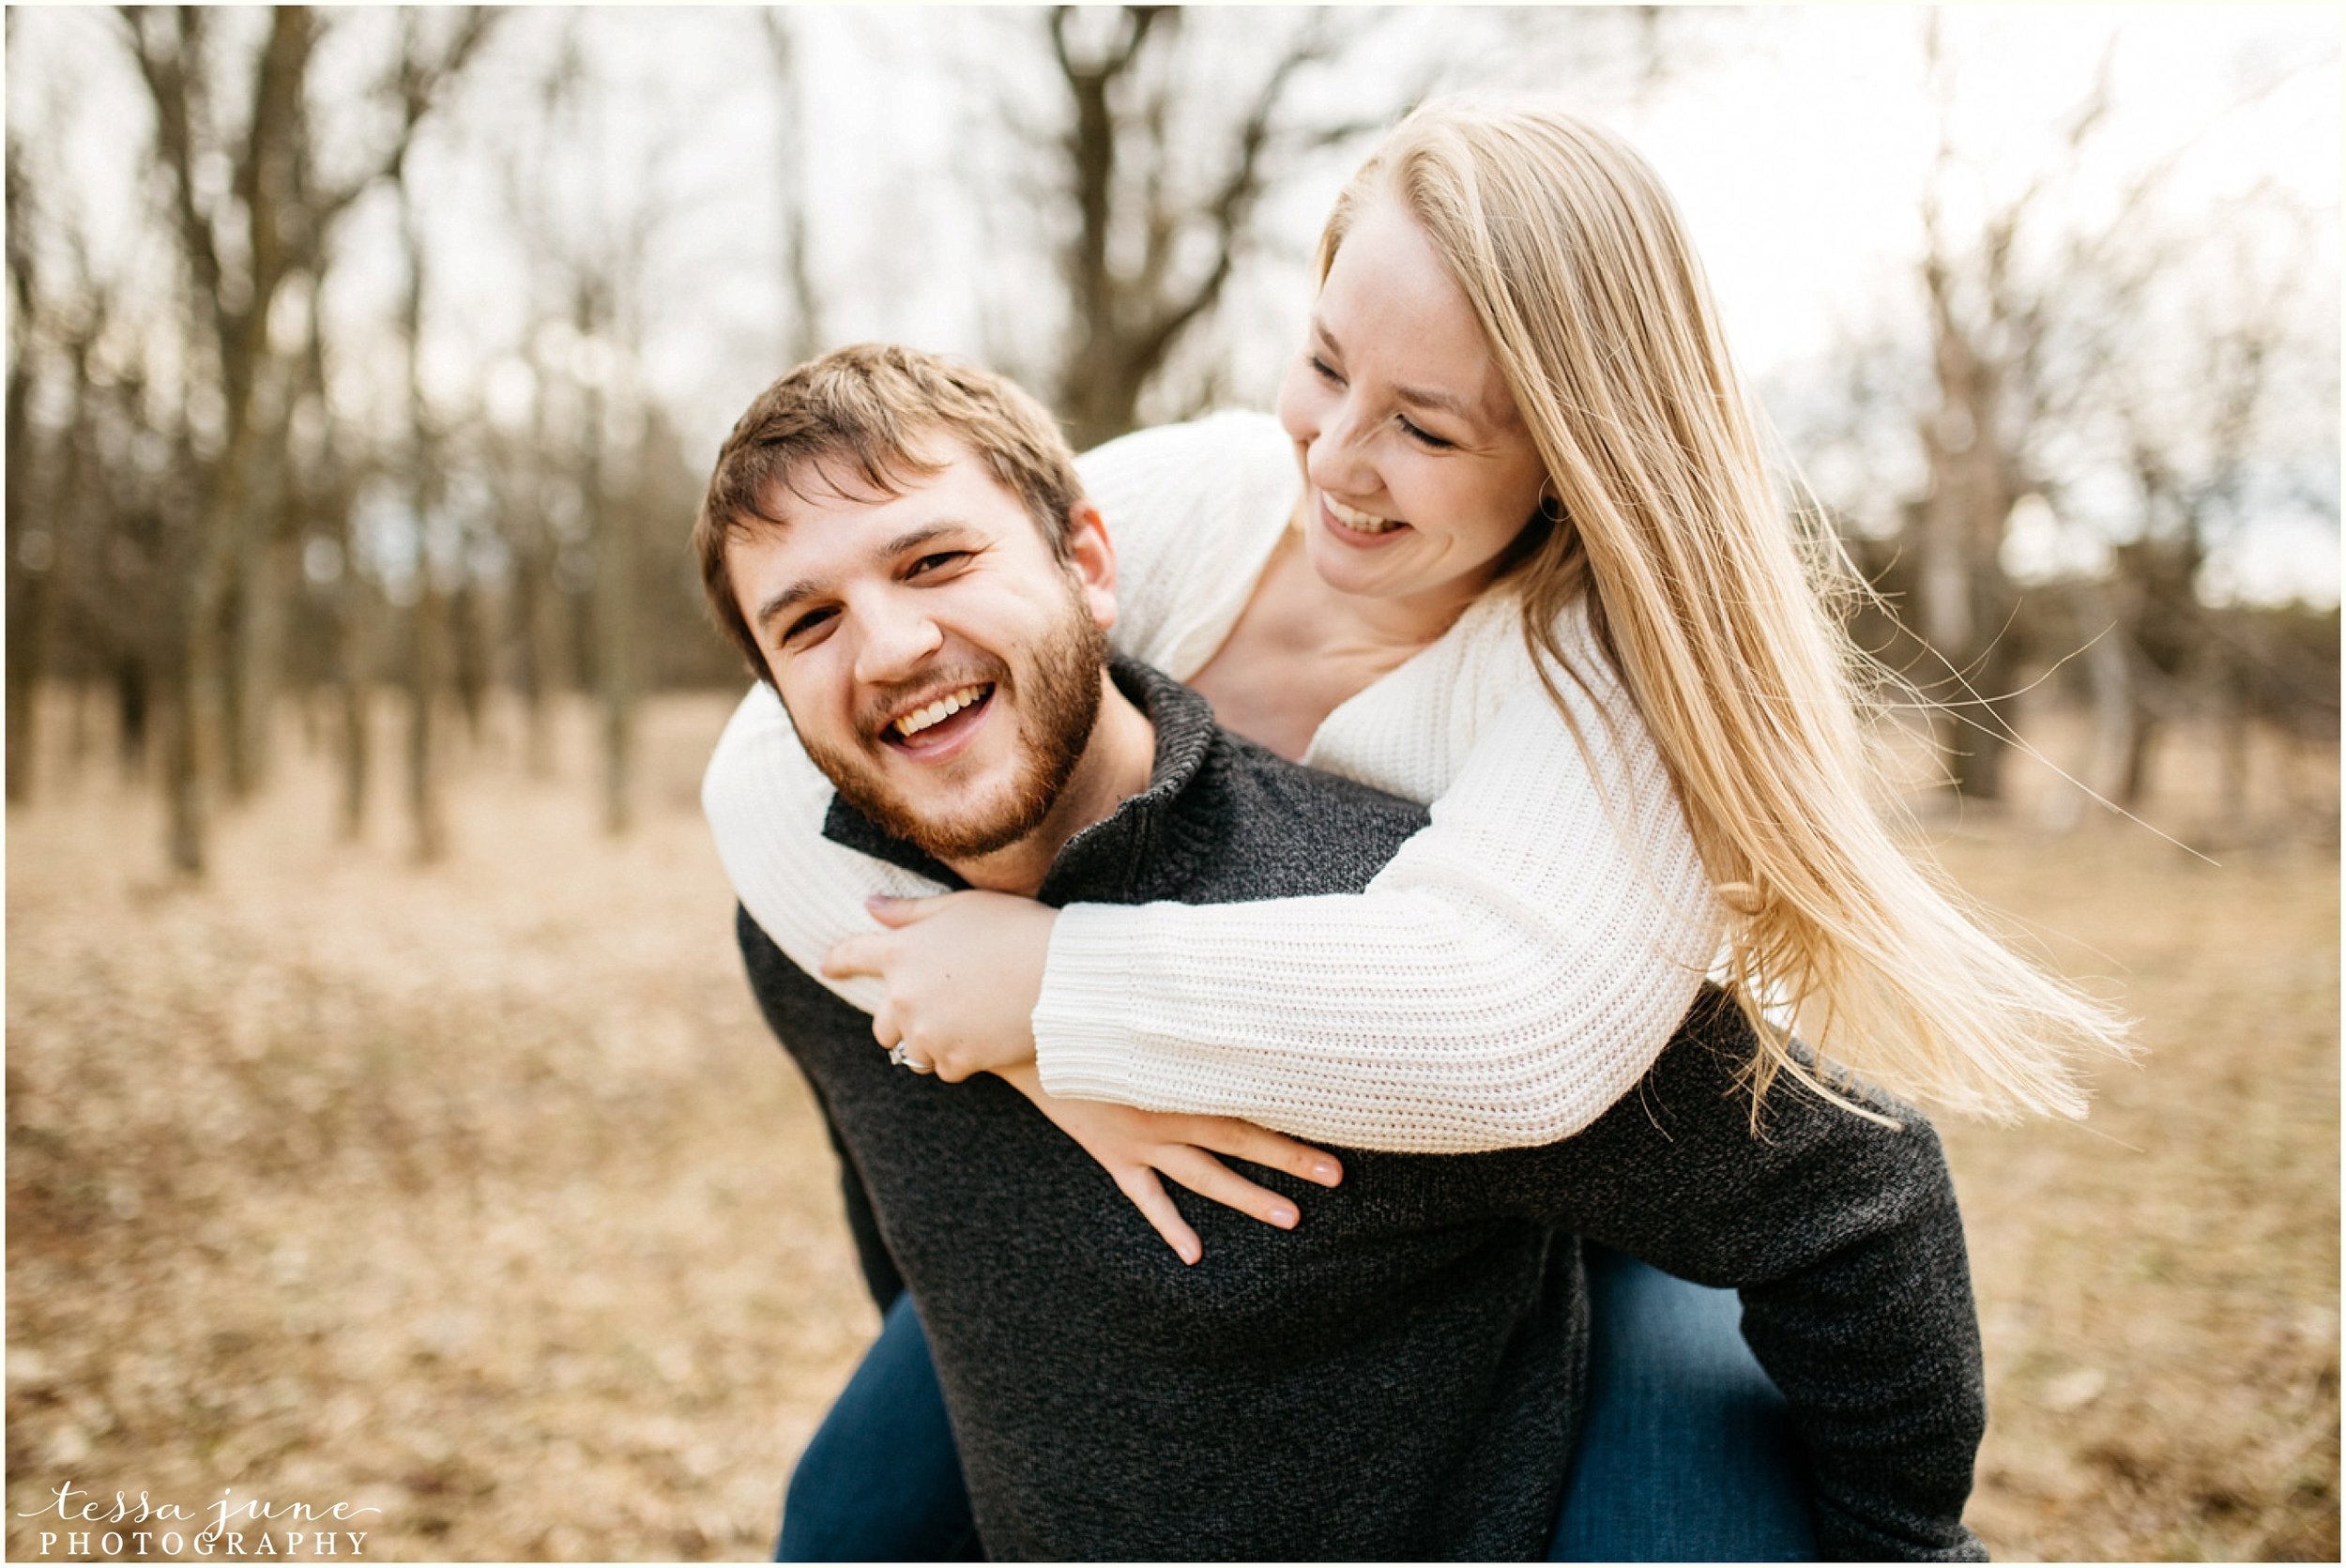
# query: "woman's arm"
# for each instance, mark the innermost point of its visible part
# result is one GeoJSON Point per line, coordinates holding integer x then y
{"type": "Point", "coordinates": [1513, 972]}
{"type": "Point", "coordinates": [766, 802]}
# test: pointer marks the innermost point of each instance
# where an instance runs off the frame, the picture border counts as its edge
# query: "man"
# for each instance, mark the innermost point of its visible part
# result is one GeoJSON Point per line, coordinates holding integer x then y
{"type": "Point", "coordinates": [901, 547]}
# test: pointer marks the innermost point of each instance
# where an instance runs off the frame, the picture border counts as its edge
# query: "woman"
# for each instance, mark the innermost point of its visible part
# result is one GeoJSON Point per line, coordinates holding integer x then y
{"type": "Point", "coordinates": [1536, 574]}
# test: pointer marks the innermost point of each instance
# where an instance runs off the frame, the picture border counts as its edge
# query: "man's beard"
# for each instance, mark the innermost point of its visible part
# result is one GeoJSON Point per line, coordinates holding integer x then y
{"type": "Point", "coordinates": [1057, 700]}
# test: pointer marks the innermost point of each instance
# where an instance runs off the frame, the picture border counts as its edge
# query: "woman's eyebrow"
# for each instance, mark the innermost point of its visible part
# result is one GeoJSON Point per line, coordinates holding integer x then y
{"type": "Point", "coordinates": [1449, 403]}
{"type": "Point", "coordinates": [1417, 397]}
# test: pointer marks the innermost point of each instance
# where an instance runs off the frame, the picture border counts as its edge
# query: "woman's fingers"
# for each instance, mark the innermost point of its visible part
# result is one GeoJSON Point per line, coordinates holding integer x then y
{"type": "Point", "coordinates": [1140, 1185]}
{"type": "Point", "coordinates": [1209, 1177]}
{"type": "Point", "coordinates": [1244, 1140]}
{"type": "Point", "coordinates": [897, 913]}
{"type": "Point", "coordinates": [851, 956]}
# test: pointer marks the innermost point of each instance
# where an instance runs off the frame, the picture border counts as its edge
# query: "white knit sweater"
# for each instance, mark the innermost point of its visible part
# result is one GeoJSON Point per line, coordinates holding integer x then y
{"type": "Point", "coordinates": [1513, 971]}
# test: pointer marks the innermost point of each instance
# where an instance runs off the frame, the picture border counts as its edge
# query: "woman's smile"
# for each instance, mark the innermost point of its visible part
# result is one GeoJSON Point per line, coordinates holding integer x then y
{"type": "Point", "coordinates": [1360, 530]}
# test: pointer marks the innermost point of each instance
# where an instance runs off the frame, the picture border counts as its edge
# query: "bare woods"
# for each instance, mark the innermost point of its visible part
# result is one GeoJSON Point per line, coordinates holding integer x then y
{"type": "Point", "coordinates": [377, 354]}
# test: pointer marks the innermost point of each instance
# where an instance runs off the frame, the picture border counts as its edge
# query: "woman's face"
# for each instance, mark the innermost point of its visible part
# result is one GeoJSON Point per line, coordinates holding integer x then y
{"type": "Point", "coordinates": [1418, 471]}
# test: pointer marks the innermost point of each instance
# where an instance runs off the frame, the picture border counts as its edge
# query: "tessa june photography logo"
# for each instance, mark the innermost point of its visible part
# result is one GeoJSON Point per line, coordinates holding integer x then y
{"type": "Point", "coordinates": [130, 1527]}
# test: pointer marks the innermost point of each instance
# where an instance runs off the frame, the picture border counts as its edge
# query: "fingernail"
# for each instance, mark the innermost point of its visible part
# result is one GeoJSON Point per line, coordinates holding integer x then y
{"type": "Point", "coordinates": [1283, 1217]}
{"type": "Point", "coordinates": [879, 901]}
{"type": "Point", "coordinates": [1326, 1170]}
{"type": "Point", "coordinates": [1190, 1255]}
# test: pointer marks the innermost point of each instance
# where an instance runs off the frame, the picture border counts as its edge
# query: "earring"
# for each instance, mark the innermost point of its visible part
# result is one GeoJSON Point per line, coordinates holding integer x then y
{"type": "Point", "coordinates": [1551, 507]}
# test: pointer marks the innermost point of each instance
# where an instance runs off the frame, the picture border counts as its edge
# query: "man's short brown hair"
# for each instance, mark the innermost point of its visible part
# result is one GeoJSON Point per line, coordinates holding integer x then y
{"type": "Point", "coordinates": [864, 410]}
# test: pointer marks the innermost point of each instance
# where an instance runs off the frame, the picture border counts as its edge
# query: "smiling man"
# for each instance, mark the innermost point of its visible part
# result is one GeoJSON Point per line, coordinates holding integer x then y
{"type": "Point", "coordinates": [946, 657]}
{"type": "Point", "coordinates": [901, 547]}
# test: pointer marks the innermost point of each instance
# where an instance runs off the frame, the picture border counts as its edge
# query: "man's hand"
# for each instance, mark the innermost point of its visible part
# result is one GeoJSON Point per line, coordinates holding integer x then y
{"type": "Point", "coordinates": [1135, 1146]}
{"type": "Point", "coordinates": [963, 972]}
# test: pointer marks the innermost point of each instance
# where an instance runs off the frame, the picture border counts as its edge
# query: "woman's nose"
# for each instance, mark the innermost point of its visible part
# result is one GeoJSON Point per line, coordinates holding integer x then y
{"type": "Point", "coordinates": [1337, 457]}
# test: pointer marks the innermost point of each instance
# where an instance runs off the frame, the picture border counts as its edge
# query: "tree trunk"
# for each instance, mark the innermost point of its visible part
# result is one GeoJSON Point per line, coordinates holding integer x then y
{"type": "Point", "coordinates": [468, 659]}
{"type": "Point", "coordinates": [28, 590]}
{"type": "Point", "coordinates": [613, 531]}
{"type": "Point", "coordinates": [534, 607]}
{"type": "Point", "coordinates": [2237, 731]}
{"type": "Point", "coordinates": [2134, 787]}
{"type": "Point", "coordinates": [425, 653]}
{"type": "Point", "coordinates": [355, 684]}
{"type": "Point", "coordinates": [195, 677]}
{"type": "Point", "coordinates": [266, 581]}
{"type": "Point", "coordinates": [424, 806]}
{"type": "Point", "coordinates": [2108, 666]}
{"type": "Point", "coordinates": [194, 685]}
{"type": "Point", "coordinates": [31, 598]}
{"type": "Point", "coordinates": [133, 705]}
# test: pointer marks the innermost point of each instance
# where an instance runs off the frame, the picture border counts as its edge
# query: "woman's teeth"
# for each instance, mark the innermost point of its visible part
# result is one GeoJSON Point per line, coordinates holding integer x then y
{"type": "Point", "coordinates": [1359, 522]}
{"type": "Point", "coordinates": [939, 711]}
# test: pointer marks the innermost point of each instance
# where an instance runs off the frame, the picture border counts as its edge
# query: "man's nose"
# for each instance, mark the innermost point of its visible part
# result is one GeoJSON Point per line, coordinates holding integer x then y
{"type": "Point", "coordinates": [897, 637]}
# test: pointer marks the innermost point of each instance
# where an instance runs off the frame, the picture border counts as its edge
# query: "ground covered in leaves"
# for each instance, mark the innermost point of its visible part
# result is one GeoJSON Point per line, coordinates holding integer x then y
{"type": "Point", "coordinates": [479, 1195]}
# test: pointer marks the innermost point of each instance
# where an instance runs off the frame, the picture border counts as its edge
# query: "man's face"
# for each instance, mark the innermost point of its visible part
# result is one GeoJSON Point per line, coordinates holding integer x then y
{"type": "Point", "coordinates": [939, 664]}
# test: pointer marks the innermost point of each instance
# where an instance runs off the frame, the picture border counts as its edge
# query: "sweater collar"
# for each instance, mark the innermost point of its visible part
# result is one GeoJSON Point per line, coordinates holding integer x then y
{"type": "Point", "coordinates": [1104, 857]}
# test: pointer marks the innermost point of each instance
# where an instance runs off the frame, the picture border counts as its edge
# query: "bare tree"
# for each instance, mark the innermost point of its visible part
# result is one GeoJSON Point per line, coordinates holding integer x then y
{"type": "Point", "coordinates": [2194, 433]}
{"type": "Point", "coordinates": [31, 552]}
{"type": "Point", "coordinates": [1169, 130]}
{"type": "Point", "coordinates": [2031, 315]}
{"type": "Point", "coordinates": [240, 248]}
{"type": "Point", "coordinates": [426, 810]}
{"type": "Point", "coordinates": [806, 334]}
{"type": "Point", "coordinates": [595, 259]}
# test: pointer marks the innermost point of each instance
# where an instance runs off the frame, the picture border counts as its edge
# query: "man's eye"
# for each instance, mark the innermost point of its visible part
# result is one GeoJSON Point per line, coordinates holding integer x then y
{"type": "Point", "coordinates": [937, 562]}
{"type": "Point", "coordinates": [810, 622]}
{"type": "Point", "coordinates": [1426, 437]}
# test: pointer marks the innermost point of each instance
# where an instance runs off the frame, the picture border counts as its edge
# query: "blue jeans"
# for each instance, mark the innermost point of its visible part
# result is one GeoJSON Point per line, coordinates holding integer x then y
{"type": "Point", "coordinates": [1685, 1452]}
{"type": "Point", "coordinates": [880, 1479]}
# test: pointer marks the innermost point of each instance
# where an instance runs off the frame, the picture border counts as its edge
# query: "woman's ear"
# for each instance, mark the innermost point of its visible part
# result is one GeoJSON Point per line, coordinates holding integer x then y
{"type": "Point", "coordinates": [1092, 558]}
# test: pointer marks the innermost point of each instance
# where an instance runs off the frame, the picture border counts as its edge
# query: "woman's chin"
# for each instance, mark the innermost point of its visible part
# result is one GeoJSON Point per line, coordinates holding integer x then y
{"type": "Point", "coordinates": [1351, 571]}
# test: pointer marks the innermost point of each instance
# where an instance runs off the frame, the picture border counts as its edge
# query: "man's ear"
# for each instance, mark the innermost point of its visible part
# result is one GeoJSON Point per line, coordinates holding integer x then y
{"type": "Point", "coordinates": [1092, 558]}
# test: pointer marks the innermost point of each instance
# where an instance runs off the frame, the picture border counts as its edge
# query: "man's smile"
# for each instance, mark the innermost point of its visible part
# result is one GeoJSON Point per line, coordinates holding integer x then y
{"type": "Point", "coordinates": [940, 726]}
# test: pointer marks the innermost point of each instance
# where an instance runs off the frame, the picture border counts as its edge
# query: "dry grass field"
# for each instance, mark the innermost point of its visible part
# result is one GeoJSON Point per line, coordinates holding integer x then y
{"type": "Point", "coordinates": [478, 1195]}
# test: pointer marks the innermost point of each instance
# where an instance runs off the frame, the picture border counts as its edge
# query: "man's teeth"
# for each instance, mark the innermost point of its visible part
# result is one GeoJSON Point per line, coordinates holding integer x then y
{"type": "Point", "coordinates": [939, 711]}
{"type": "Point", "coordinates": [1359, 522]}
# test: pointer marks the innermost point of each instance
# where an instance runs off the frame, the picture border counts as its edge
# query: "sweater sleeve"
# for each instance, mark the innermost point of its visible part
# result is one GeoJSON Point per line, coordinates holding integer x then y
{"type": "Point", "coordinates": [1508, 976]}
{"type": "Point", "coordinates": [766, 802]}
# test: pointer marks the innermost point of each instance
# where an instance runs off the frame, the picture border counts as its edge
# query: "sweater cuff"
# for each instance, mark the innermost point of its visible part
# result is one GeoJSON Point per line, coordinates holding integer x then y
{"type": "Point", "coordinates": [1079, 1053]}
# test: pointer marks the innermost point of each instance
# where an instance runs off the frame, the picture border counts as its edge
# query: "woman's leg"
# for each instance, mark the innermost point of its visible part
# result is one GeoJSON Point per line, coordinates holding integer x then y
{"type": "Point", "coordinates": [881, 1479]}
{"type": "Point", "coordinates": [1686, 1452]}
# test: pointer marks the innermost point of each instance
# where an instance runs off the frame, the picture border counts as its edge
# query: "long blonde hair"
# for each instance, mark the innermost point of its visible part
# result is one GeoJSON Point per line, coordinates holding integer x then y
{"type": "Point", "coordinates": [1714, 606]}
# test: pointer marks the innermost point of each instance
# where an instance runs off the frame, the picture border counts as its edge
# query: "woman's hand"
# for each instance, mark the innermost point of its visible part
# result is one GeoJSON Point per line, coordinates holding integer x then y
{"type": "Point", "coordinates": [963, 972]}
{"type": "Point", "coordinates": [1135, 1146]}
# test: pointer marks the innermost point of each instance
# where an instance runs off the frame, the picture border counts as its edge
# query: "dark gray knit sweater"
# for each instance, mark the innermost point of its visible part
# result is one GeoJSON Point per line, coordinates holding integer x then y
{"type": "Point", "coordinates": [1400, 1376]}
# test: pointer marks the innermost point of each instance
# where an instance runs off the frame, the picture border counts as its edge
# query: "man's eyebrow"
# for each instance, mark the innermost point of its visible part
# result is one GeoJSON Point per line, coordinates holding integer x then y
{"type": "Point", "coordinates": [807, 587]}
{"type": "Point", "coordinates": [1418, 397]}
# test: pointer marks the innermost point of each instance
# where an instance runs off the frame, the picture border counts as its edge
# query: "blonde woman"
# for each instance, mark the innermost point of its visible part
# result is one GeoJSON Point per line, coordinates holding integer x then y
{"type": "Point", "coordinates": [1511, 547]}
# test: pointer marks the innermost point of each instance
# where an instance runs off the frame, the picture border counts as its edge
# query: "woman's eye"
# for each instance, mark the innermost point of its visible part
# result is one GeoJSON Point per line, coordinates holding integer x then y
{"type": "Point", "coordinates": [1426, 437]}
{"type": "Point", "coordinates": [1327, 373]}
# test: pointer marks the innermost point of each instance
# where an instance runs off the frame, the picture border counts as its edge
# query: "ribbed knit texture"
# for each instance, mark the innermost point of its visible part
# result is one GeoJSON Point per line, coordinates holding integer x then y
{"type": "Point", "coordinates": [1400, 1377]}
{"type": "Point", "coordinates": [1512, 972]}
